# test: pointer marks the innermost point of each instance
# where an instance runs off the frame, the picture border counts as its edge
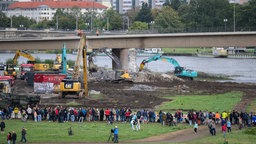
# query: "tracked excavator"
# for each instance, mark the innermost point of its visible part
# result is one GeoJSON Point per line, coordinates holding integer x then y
{"type": "Point", "coordinates": [10, 71]}
{"type": "Point", "coordinates": [120, 74]}
{"type": "Point", "coordinates": [178, 70]}
{"type": "Point", "coordinates": [30, 65]}
{"type": "Point", "coordinates": [73, 86]}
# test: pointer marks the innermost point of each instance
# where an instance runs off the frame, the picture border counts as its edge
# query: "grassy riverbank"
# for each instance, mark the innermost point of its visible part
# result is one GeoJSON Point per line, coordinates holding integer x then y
{"type": "Point", "coordinates": [83, 132]}
{"type": "Point", "coordinates": [214, 102]}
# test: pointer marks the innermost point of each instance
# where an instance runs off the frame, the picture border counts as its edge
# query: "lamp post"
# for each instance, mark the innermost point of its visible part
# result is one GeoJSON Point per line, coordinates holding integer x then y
{"type": "Point", "coordinates": [107, 24]}
{"type": "Point", "coordinates": [225, 21]}
{"type": "Point", "coordinates": [234, 14]}
{"type": "Point", "coordinates": [11, 21]}
{"type": "Point", "coordinates": [151, 25]}
{"type": "Point", "coordinates": [76, 22]}
{"type": "Point", "coordinates": [57, 22]}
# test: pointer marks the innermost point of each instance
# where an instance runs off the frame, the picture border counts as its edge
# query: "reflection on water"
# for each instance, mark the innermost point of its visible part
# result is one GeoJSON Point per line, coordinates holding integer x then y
{"type": "Point", "coordinates": [241, 70]}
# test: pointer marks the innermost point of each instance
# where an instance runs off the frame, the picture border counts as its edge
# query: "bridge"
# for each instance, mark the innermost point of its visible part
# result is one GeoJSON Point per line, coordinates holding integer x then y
{"type": "Point", "coordinates": [177, 40]}
{"type": "Point", "coordinates": [120, 43]}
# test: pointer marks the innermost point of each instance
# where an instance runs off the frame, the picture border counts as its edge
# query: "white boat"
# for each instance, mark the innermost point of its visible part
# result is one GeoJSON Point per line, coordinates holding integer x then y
{"type": "Point", "coordinates": [219, 52]}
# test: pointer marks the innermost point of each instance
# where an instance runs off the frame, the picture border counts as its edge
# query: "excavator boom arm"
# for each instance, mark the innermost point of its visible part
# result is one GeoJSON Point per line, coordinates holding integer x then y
{"type": "Point", "coordinates": [158, 57]}
{"type": "Point", "coordinates": [24, 54]}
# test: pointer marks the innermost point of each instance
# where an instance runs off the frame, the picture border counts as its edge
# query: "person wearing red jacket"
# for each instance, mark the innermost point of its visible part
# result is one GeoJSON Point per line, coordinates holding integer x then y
{"type": "Point", "coordinates": [224, 130]}
{"type": "Point", "coordinates": [9, 137]}
{"type": "Point", "coordinates": [107, 113]}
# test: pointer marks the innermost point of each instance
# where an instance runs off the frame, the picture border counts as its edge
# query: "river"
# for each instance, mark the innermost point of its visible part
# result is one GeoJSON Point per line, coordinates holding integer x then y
{"type": "Point", "coordinates": [240, 70]}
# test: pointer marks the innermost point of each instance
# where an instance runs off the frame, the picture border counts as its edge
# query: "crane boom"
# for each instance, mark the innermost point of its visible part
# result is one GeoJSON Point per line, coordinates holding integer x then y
{"type": "Point", "coordinates": [82, 44]}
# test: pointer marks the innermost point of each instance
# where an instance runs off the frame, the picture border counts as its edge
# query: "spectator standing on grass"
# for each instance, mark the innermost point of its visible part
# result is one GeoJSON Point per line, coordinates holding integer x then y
{"type": "Point", "coordinates": [14, 137]}
{"type": "Point", "coordinates": [164, 119]}
{"type": "Point", "coordinates": [224, 130]}
{"type": "Point", "coordinates": [23, 135]}
{"type": "Point", "coordinates": [116, 135]}
{"type": "Point", "coordinates": [195, 127]}
{"type": "Point", "coordinates": [213, 128]}
{"type": "Point", "coordinates": [101, 114]}
{"type": "Point", "coordinates": [9, 137]}
{"type": "Point", "coordinates": [2, 126]}
{"type": "Point", "coordinates": [229, 126]}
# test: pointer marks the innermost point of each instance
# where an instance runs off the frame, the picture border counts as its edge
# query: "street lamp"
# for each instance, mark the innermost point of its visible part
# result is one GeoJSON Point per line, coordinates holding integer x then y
{"type": "Point", "coordinates": [76, 22]}
{"type": "Point", "coordinates": [234, 13]}
{"type": "Point", "coordinates": [151, 25]}
{"type": "Point", "coordinates": [225, 21]}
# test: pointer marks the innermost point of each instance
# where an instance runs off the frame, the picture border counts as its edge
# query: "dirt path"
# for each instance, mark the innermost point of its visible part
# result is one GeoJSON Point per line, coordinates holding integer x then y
{"type": "Point", "coordinates": [177, 136]}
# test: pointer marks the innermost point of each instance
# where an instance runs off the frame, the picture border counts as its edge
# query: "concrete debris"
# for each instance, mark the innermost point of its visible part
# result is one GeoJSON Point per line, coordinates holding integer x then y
{"type": "Point", "coordinates": [182, 88]}
{"type": "Point", "coordinates": [94, 92]}
{"type": "Point", "coordinates": [104, 74]}
{"type": "Point", "coordinates": [142, 88]}
{"type": "Point", "coordinates": [153, 77]}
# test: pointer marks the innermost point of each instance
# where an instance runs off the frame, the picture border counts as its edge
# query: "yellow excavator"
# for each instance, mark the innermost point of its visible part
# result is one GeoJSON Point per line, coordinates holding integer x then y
{"type": "Point", "coordinates": [10, 71]}
{"type": "Point", "coordinates": [31, 60]}
{"type": "Point", "coordinates": [57, 63]}
{"type": "Point", "coordinates": [73, 86]}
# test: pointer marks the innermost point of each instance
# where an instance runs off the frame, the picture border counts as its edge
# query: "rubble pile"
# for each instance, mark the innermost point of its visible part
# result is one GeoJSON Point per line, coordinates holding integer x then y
{"type": "Point", "coordinates": [153, 77]}
{"type": "Point", "coordinates": [140, 87]}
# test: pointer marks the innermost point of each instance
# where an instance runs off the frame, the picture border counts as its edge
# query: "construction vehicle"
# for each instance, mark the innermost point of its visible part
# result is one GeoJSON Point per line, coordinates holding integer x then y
{"type": "Point", "coordinates": [10, 79]}
{"type": "Point", "coordinates": [31, 59]}
{"type": "Point", "coordinates": [73, 86]}
{"type": "Point", "coordinates": [30, 65]}
{"type": "Point", "coordinates": [120, 74]}
{"type": "Point", "coordinates": [57, 63]}
{"type": "Point", "coordinates": [178, 70]}
{"type": "Point", "coordinates": [10, 71]}
{"type": "Point", "coordinates": [5, 86]}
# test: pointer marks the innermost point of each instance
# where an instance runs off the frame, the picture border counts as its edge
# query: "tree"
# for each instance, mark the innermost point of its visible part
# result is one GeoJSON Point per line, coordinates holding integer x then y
{"type": "Point", "coordinates": [167, 3]}
{"type": "Point", "coordinates": [4, 20]}
{"type": "Point", "coordinates": [132, 13]}
{"type": "Point", "coordinates": [113, 18]}
{"type": "Point", "coordinates": [22, 21]}
{"type": "Point", "coordinates": [168, 21]}
{"type": "Point", "coordinates": [144, 14]}
{"type": "Point", "coordinates": [206, 15]}
{"type": "Point", "coordinates": [176, 4]}
{"type": "Point", "coordinates": [246, 16]}
{"type": "Point", "coordinates": [137, 25]}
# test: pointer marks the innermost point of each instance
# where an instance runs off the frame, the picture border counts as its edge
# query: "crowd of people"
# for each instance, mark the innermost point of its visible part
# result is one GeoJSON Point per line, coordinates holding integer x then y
{"type": "Point", "coordinates": [134, 117]}
{"type": "Point", "coordinates": [64, 114]}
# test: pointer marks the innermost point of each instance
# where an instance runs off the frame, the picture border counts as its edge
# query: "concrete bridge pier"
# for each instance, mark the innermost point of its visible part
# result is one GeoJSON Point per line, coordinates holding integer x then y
{"type": "Point", "coordinates": [127, 59]}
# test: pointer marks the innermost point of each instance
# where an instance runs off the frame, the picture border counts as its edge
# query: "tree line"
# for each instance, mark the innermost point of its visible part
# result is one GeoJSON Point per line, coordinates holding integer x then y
{"type": "Point", "coordinates": [175, 16]}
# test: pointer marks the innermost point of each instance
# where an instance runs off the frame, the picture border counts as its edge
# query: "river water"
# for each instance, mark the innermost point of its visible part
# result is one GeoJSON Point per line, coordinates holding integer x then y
{"type": "Point", "coordinates": [240, 70]}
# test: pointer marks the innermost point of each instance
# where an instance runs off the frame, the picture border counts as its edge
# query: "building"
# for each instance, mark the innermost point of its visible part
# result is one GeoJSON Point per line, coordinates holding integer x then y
{"type": "Point", "coordinates": [4, 4]}
{"type": "Point", "coordinates": [122, 6]}
{"type": "Point", "coordinates": [46, 10]}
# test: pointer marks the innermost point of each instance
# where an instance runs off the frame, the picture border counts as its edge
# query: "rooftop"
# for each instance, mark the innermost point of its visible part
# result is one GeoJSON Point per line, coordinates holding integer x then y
{"type": "Point", "coordinates": [57, 4]}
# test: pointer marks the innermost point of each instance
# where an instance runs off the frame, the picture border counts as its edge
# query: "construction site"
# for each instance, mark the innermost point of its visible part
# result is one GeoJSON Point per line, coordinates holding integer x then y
{"type": "Point", "coordinates": [92, 86]}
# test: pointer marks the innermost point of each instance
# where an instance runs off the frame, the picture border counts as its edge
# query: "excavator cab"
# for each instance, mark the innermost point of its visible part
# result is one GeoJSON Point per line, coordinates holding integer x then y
{"type": "Point", "coordinates": [122, 76]}
{"type": "Point", "coordinates": [10, 71]}
{"type": "Point", "coordinates": [70, 87]}
{"type": "Point", "coordinates": [178, 70]}
{"type": "Point", "coordinates": [57, 63]}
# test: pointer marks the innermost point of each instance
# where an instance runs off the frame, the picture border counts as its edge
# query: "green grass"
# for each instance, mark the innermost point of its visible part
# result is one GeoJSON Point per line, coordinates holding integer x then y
{"type": "Point", "coordinates": [86, 132]}
{"type": "Point", "coordinates": [252, 106]}
{"type": "Point", "coordinates": [214, 102]}
{"type": "Point", "coordinates": [235, 137]}
{"type": "Point", "coordinates": [186, 50]}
